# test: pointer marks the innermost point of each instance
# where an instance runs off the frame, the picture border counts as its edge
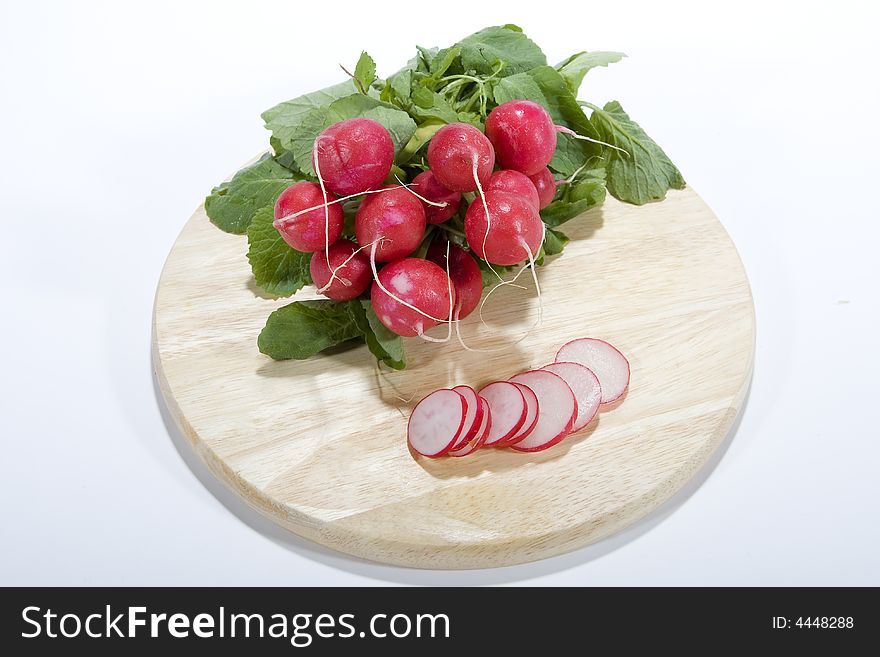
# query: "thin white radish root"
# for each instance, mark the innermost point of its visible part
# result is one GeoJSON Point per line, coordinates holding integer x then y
{"type": "Point", "coordinates": [585, 386]}
{"type": "Point", "coordinates": [508, 408]}
{"type": "Point", "coordinates": [575, 135]}
{"type": "Point", "coordinates": [408, 187]}
{"type": "Point", "coordinates": [436, 423]}
{"type": "Point", "coordinates": [607, 363]}
{"type": "Point", "coordinates": [557, 410]}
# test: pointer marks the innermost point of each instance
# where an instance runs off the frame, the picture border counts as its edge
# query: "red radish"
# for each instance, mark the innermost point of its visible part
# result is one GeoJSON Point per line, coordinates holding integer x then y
{"type": "Point", "coordinates": [479, 438]}
{"type": "Point", "coordinates": [545, 183]}
{"type": "Point", "coordinates": [557, 410]}
{"type": "Point", "coordinates": [426, 184]}
{"type": "Point", "coordinates": [512, 233]}
{"type": "Point", "coordinates": [313, 230]}
{"type": "Point", "coordinates": [523, 135]}
{"type": "Point", "coordinates": [474, 417]}
{"type": "Point", "coordinates": [532, 411]}
{"type": "Point", "coordinates": [514, 182]}
{"type": "Point", "coordinates": [436, 422]}
{"type": "Point", "coordinates": [459, 154]}
{"type": "Point", "coordinates": [464, 272]}
{"type": "Point", "coordinates": [508, 408]}
{"type": "Point", "coordinates": [352, 269]}
{"type": "Point", "coordinates": [353, 156]}
{"type": "Point", "coordinates": [395, 218]}
{"type": "Point", "coordinates": [607, 363]}
{"type": "Point", "coordinates": [411, 296]}
{"type": "Point", "coordinates": [586, 389]}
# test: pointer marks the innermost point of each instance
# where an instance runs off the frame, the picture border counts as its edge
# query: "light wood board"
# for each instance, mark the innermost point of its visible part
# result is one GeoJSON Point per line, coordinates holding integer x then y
{"type": "Point", "coordinates": [319, 446]}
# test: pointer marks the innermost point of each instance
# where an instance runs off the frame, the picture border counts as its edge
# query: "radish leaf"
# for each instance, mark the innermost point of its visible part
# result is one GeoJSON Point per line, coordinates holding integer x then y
{"type": "Point", "coordinates": [644, 173]}
{"type": "Point", "coordinates": [232, 204]}
{"type": "Point", "coordinates": [506, 47]}
{"type": "Point", "coordinates": [382, 343]}
{"type": "Point", "coordinates": [303, 328]}
{"type": "Point", "coordinates": [278, 269]}
{"type": "Point", "coordinates": [576, 67]}
{"type": "Point", "coordinates": [364, 73]}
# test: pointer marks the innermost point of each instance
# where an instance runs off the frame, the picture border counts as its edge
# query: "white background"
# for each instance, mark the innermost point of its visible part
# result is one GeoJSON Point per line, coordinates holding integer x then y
{"type": "Point", "coordinates": [118, 118]}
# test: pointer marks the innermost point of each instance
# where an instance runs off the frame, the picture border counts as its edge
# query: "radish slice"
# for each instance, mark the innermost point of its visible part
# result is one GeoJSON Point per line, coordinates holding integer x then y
{"type": "Point", "coordinates": [557, 406]}
{"type": "Point", "coordinates": [480, 437]}
{"type": "Point", "coordinates": [436, 423]}
{"type": "Point", "coordinates": [508, 408]}
{"type": "Point", "coordinates": [586, 389]}
{"type": "Point", "coordinates": [532, 410]}
{"type": "Point", "coordinates": [473, 416]}
{"type": "Point", "coordinates": [607, 363]}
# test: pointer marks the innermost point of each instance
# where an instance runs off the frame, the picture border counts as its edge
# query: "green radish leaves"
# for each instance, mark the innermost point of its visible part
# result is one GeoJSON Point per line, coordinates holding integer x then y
{"type": "Point", "coordinates": [503, 50]}
{"type": "Point", "coordinates": [576, 67]}
{"type": "Point", "coordinates": [278, 269]}
{"type": "Point", "coordinates": [231, 205]}
{"type": "Point", "coordinates": [364, 73]}
{"type": "Point", "coordinates": [304, 328]}
{"type": "Point", "coordinates": [382, 343]}
{"type": "Point", "coordinates": [643, 173]}
{"type": "Point", "coordinates": [586, 191]}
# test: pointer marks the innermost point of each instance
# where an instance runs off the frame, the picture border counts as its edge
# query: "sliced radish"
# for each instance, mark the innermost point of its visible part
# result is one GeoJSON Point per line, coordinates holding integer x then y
{"type": "Point", "coordinates": [586, 389]}
{"type": "Point", "coordinates": [473, 417]}
{"type": "Point", "coordinates": [557, 410]}
{"type": "Point", "coordinates": [479, 438]}
{"type": "Point", "coordinates": [436, 423]}
{"type": "Point", "coordinates": [607, 363]}
{"type": "Point", "coordinates": [532, 410]}
{"type": "Point", "coordinates": [508, 407]}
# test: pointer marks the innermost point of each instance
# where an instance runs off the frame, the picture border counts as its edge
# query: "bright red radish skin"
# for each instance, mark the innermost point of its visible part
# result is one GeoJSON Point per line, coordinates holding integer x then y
{"type": "Point", "coordinates": [352, 279]}
{"type": "Point", "coordinates": [310, 231]}
{"type": "Point", "coordinates": [396, 218]}
{"type": "Point", "coordinates": [545, 184]}
{"type": "Point", "coordinates": [533, 408]}
{"type": "Point", "coordinates": [479, 438]}
{"type": "Point", "coordinates": [514, 225]}
{"type": "Point", "coordinates": [474, 417]}
{"type": "Point", "coordinates": [609, 365]}
{"type": "Point", "coordinates": [419, 283]}
{"type": "Point", "coordinates": [465, 274]}
{"type": "Point", "coordinates": [523, 135]}
{"type": "Point", "coordinates": [513, 182]}
{"type": "Point", "coordinates": [557, 410]}
{"type": "Point", "coordinates": [508, 408]}
{"type": "Point", "coordinates": [451, 155]}
{"type": "Point", "coordinates": [353, 156]}
{"type": "Point", "coordinates": [585, 386]}
{"type": "Point", "coordinates": [426, 184]}
{"type": "Point", "coordinates": [436, 422]}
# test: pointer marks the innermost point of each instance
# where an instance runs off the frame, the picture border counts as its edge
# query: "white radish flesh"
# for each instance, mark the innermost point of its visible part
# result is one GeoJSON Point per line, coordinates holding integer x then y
{"type": "Point", "coordinates": [436, 423]}
{"type": "Point", "coordinates": [532, 410]}
{"type": "Point", "coordinates": [607, 363]}
{"type": "Point", "coordinates": [557, 410]}
{"type": "Point", "coordinates": [473, 417]}
{"type": "Point", "coordinates": [508, 408]}
{"type": "Point", "coordinates": [586, 389]}
{"type": "Point", "coordinates": [479, 438]}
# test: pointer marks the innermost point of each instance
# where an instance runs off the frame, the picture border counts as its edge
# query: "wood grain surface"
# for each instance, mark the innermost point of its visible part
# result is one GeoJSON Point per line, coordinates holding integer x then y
{"type": "Point", "coordinates": [319, 446]}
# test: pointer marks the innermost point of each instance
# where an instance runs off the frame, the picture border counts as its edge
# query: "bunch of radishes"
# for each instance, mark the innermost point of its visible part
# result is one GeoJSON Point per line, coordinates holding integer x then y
{"type": "Point", "coordinates": [530, 412]}
{"type": "Point", "coordinates": [354, 158]}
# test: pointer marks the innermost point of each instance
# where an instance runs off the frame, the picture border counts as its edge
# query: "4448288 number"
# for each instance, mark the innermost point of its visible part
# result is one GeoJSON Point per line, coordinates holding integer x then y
{"type": "Point", "coordinates": [824, 622]}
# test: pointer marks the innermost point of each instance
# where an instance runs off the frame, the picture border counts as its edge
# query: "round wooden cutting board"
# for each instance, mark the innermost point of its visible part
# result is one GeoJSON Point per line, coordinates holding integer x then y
{"type": "Point", "coordinates": [319, 446]}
